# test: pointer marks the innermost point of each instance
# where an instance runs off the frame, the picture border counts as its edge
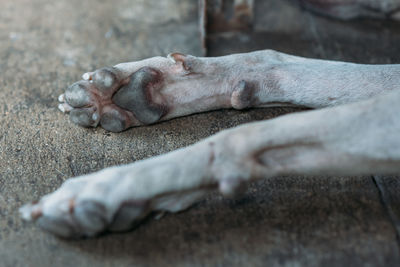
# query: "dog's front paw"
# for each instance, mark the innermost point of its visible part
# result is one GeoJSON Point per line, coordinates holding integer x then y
{"type": "Point", "coordinates": [116, 102]}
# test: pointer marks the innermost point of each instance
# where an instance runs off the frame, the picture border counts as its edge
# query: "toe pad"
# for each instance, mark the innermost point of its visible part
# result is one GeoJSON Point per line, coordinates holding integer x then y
{"type": "Point", "coordinates": [85, 117]}
{"type": "Point", "coordinates": [76, 95]}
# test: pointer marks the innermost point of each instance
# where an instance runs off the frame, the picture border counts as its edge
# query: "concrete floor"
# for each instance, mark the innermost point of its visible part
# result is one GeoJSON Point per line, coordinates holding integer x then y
{"type": "Point", "coordinates": [285, 221]}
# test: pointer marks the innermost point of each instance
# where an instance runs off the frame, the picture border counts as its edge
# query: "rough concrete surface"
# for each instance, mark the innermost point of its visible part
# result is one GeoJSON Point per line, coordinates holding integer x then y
{"type": "Point", "coordinates": [285, 221]}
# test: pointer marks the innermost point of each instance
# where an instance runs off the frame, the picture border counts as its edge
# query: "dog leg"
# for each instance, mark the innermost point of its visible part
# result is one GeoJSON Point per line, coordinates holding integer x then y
{"type": "Point", "coordinates": [354, 139]}
{"type": "Point", "coordinates": [156, 89]}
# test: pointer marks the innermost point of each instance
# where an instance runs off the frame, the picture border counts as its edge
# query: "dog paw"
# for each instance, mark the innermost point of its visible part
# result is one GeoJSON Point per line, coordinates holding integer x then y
{"type": "Point", "coordinates": [84, 207]}
{"type": "Point", "coordinates": [116, 102]}
{"type": "Point", "coordinates": [114, 199]}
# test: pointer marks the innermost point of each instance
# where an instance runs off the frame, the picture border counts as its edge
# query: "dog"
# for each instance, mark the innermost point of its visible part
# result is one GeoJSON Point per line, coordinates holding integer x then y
{"type": "Point", "coordinates": [354, 130]}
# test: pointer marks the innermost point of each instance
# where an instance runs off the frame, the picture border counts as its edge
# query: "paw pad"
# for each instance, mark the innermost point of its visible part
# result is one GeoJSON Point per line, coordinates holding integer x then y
{"type": "Point", "coordinates": [117, 103]}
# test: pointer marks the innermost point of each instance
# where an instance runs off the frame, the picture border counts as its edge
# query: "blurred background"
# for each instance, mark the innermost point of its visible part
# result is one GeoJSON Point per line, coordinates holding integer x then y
{"type": "Point", "coordinates": [46, 45]}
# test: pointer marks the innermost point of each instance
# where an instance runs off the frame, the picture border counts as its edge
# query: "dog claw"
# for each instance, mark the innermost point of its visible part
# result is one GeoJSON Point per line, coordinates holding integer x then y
{"type": "Point", "coordinates": [26, 212]}
{"type": "Point", "coordinates": [96, 118]}
{"type": "Point", "coordinates": [65, 108]}
{"type": "Point", "coordinates": [87, 76]}
{"type": "Point", "coordinates": [61, 98]}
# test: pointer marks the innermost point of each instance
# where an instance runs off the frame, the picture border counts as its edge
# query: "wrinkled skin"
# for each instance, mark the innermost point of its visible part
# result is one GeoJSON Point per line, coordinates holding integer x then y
{"type": "Point", "coordinates": [357, 134]}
